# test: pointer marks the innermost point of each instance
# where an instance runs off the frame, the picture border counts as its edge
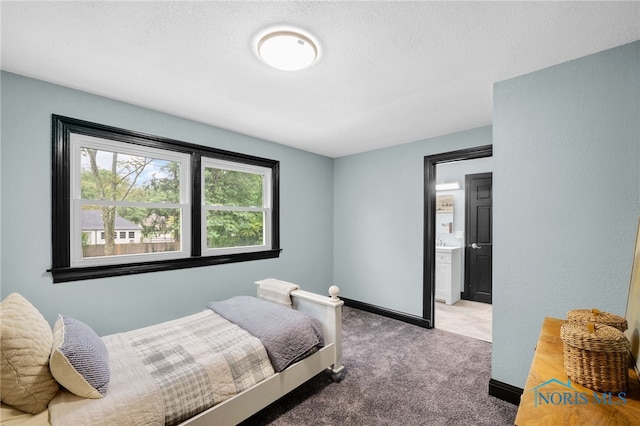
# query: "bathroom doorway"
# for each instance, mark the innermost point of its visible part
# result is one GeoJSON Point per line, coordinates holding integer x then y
{"type": "Point", "coordinates": [447, 243]}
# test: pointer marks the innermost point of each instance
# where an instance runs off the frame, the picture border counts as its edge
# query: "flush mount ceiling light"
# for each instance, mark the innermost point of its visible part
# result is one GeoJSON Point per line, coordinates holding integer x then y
{"type": "Point", "coordinates": [287, 50]}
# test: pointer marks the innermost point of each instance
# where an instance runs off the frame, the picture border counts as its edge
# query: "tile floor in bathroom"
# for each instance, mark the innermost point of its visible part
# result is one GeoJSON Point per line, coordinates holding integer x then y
{"type": "Point", "coordinates": [471, 319]}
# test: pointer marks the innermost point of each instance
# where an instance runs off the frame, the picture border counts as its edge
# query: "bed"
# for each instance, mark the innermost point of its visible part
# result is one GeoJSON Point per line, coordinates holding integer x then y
{"type": "Point", "coordinates": [239, 392]}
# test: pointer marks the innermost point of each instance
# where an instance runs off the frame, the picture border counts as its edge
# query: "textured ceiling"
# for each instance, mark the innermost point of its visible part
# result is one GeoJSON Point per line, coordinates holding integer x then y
{"type": "Point", "coordinates": [389, 72]}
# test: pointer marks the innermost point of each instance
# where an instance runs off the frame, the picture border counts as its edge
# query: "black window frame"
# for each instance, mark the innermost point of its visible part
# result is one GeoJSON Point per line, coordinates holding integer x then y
{"type": "Point", "coordinates": [61, 271]}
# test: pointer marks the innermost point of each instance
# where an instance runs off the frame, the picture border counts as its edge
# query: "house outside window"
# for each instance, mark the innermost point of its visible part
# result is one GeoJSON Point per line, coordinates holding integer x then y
{"type": "Point", "coordinates": [93, 234]}
{"type": "Point", "coordinates": [167, 204]}
{"type": "Point", "coordinates": [115, 184]}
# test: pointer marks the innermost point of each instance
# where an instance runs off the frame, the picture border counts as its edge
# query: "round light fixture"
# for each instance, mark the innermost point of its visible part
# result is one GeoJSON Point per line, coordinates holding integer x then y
{"type": "Point", "coordinates": [287, 50]}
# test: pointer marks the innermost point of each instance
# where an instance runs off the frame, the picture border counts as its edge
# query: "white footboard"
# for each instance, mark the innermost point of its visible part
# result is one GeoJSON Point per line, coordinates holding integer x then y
{"type": "Point", "coordinates": [328, 310]}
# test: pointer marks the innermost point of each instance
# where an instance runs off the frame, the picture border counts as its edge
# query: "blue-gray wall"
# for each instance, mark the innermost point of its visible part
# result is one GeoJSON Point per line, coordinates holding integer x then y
{"type": "Point", "coordinates": [566, 146]}
{"type": "Point", "coordinates": [566, 188]}
{"type": "Point", "coordinates": [378, 220]}
{"type": "Point", "coordinates": [566, 197]}
{"type": "Point", "coordinates": [122, 303]}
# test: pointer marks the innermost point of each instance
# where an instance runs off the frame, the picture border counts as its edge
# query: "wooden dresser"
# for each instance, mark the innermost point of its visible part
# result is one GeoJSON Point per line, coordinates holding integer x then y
{"type": "Point", "coordinates": [549, 398]}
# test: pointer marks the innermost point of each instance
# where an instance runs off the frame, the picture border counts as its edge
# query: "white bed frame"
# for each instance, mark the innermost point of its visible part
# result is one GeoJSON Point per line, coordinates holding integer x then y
{"type": "Point", "coordinates": [328, 310]}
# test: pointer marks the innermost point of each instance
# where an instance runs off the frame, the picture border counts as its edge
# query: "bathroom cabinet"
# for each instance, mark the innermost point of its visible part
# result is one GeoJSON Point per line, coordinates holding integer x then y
{"type": "Point", "coordinates": [448, 274]}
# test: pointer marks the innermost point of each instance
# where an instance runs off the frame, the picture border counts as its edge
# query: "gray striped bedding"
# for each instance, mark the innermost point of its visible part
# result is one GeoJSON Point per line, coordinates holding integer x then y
{"type": "Point", "coordinates": [166, 373]}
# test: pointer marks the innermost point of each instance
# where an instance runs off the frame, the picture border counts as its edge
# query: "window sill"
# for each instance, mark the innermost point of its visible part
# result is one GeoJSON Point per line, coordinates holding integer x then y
{"type": "Point", "coordinates": [61, 275]}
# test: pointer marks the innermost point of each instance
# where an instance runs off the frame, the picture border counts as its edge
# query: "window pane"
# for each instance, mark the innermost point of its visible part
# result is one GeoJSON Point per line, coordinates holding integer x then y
{"type": "Point", "coordinates": [150, 230]}
{"type": "Point", "coordinates": [107, 175]}
{"type": "Point", "coordinates": [232, 188]}
{"type": "Point", "coordinates": [151, 182]}
{"type": "Point", "coordinates": [234, 229]}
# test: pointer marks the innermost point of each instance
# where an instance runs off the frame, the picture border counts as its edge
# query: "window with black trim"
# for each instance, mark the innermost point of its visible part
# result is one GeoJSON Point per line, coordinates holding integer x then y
{"type": "Point", "coordinates": [126, 202]}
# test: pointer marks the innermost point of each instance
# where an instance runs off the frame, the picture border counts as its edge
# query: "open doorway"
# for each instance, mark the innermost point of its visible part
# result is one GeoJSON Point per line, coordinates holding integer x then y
{"type": "Point", "coordinates": [457, 212]}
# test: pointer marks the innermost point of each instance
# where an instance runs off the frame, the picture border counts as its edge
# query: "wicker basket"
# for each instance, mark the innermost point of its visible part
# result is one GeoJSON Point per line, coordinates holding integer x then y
{"type": "Point", "coordinates": [598, 317]}
{"type": "Point", "coordinates": [596, 356]}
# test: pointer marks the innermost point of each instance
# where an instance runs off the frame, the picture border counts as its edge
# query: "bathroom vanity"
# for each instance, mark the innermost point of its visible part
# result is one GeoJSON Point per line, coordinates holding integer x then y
{"type": "Point", "coordinates": [448, 274]}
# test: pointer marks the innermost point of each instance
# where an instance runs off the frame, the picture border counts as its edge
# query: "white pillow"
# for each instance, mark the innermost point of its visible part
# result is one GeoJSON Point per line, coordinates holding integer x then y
{"type": "Point", "coordinates": [26, 381]}
{"type": "Point", "coordinates": [79, 358]}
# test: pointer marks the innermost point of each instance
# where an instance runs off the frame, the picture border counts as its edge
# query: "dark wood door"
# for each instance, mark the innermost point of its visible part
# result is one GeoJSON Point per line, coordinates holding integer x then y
{"type": "Point", "coordinates": [478, 237]}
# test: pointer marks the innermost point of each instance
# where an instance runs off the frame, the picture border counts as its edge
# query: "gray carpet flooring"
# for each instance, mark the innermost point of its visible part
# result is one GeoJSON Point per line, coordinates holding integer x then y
{"type": "Point", "coordinates": [396, 374]}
